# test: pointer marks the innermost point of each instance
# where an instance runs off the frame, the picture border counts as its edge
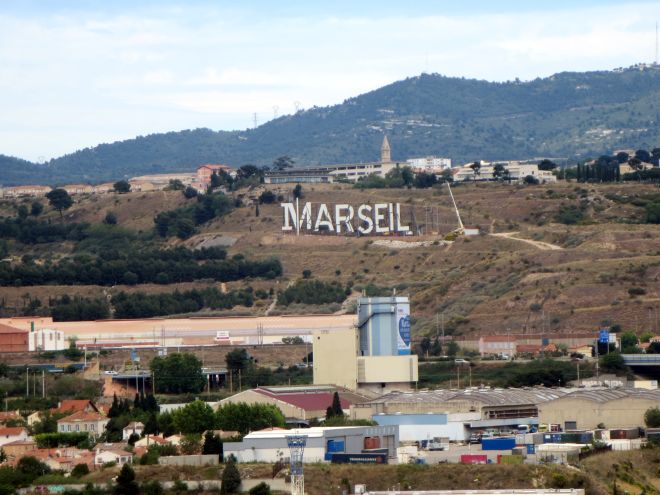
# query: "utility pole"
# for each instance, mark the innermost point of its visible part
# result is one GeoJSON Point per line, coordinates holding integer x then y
{"type": "Point", "coordinates": [578, 372]}
{"type": "Point", "coordinates": [43, 384]}
{"type": "Point", "coordinates": [27, 382]}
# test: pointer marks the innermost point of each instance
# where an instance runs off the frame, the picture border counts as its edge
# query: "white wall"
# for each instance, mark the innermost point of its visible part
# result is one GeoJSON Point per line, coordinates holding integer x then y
{"type": "Point", "coordinates": [312, 454]}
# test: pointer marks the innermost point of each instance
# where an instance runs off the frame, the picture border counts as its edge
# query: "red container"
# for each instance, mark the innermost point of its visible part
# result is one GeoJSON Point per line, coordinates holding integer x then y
{"type": "Point", "coordinates": [474, 459]}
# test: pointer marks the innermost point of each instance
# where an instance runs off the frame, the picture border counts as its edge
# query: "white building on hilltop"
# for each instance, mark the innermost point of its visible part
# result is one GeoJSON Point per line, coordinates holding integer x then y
{"type": "Point", "coordinates": [517, 171]}
{"type": "Point", "coordinates": [429, 164]}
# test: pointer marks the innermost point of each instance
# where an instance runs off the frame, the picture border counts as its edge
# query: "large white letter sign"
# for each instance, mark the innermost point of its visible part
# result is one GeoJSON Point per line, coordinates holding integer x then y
{"type": "Point", "coordinates": [399, 227]}
{"type": "Point", "coordinates": [320, 221]}
{"type": "Point", "coordinates": [306, 217]}
{"type": "Point", "coordinates": [366, 223]}
{"type": "Point", "coordinates": [345, 219]}
{"type": "Point", "coordinates": [289, 210]}
{"type": "Point", "coordinates": [379, 216]}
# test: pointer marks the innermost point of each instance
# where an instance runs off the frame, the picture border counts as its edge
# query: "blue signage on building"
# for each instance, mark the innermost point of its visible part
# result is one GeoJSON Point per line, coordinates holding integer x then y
{"type": "Point", "coordinates": [604, 336]}
{"type": "Point", "coordinates": [404, 335]}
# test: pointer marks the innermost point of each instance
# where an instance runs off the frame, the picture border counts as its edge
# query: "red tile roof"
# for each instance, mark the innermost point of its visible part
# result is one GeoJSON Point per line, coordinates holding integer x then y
{"type": "Point", "coordinates": [308, 401]}
{"type": "Point", "coordinates": [82, 416]}
{"type": "Point", "coordinates": [74, 405]}
{"type": "Point", "coordinates": [12, 430]}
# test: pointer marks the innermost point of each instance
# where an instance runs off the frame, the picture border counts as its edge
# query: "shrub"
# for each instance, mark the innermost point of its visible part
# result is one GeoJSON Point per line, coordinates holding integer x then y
{"type": "Point", "coordinates": [80, 470]}
{"type": "Point", "coordinates": [636, 291]}
{"type": "Point", "coordinates": [652, 417]}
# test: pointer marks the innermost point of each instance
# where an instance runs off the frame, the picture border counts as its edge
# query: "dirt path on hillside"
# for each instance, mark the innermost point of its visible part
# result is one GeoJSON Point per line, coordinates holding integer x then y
{"type": "Point", "coordinates": [544, 246]}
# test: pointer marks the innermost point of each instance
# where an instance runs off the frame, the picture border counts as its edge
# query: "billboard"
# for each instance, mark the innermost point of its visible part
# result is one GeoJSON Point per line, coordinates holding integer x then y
{"type": "Point", "coordinates": [604, 336]}
{"type": "Point", "coordinates": [403, 329]}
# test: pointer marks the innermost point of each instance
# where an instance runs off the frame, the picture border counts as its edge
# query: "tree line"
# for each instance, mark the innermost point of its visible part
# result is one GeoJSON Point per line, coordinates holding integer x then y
{"type": "Point", "coordinates": [132, 267]}
{"type": "Point", "coordinates": [307, 291]}
{"type": "Point", "coordinates": [143, 305]}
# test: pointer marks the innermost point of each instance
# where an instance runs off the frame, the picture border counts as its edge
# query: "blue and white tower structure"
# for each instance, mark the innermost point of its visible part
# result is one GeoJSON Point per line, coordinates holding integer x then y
{"type": "Point", "coordinates": [384, 326]}
{"type": "Point", "coordinates": [296, 445]}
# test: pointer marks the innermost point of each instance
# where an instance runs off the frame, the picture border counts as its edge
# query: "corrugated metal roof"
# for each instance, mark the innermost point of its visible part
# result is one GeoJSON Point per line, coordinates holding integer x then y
{"type": "Point", "coordinates": [488, 397]}
{"type": "Point", "coordinates": [603, 395]}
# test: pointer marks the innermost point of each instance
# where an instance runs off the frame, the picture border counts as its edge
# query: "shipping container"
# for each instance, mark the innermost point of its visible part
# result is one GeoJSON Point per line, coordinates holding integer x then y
{"type": "Point", "coordinates": [474, 459]}
{"type": "Point", "coordinates": [531, 448]}
{"type": "Point", "coordinates": [521, 451]}
{"type": "Point", "coordinates": [537, 438]}
{"type": "Point", "coordinates": [552, 438]}
{"type": "Point", "coordinates": [359, 458]}
{"type": "Point", "coordinates": [624, 433]}
{"type": "Point", "coordinates": [503, 443]}
{"type": "Point", "coordinates": [510, 459]}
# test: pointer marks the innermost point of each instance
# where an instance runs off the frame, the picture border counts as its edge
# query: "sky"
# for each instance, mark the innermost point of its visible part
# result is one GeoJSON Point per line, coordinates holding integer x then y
{"type": "Point", "coordinates": [74, 74]}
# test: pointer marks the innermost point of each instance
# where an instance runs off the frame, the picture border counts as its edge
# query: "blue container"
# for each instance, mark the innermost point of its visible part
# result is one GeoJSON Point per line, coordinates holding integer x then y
{"type": "Point", "coordinates": [531, 448]}
{"type": "Point", "coordinates": [503, 443]}
{"type": "Point", "coordinates": [552, 438]}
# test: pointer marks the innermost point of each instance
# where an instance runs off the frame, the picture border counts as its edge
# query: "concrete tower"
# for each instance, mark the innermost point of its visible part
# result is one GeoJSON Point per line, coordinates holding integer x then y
{"type": "Point", "coordinates": [385, 151]}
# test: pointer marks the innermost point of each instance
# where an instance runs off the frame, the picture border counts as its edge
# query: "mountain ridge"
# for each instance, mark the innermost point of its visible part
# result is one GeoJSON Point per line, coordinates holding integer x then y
{"type": "Point", "coordinates": [569, 114]}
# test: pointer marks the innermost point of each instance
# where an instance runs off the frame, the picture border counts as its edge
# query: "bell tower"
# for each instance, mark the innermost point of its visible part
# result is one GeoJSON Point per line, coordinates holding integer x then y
{"type": "Point", "coordinates": [385, 151]}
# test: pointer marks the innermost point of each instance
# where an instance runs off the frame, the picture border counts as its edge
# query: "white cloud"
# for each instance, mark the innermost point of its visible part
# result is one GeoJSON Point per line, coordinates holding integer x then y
{"type": "Point", "coordinates": [172, 68]}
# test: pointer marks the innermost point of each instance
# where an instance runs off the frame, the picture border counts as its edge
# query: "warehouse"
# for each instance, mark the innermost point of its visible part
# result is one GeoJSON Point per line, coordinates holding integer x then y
{"type": "Point", "coordinates": [300, 403]}
{"type": "Point", "coordinates": [456, 413]}
{"type": "Point", "coordinates": [270, 445]}
{"type": "Point", "coordinates": [13, 339]}
{"type": "Point", "coordinates": [587, 408]}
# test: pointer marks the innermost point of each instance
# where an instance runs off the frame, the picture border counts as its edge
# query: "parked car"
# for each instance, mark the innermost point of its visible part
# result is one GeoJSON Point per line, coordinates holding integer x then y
{"type": "Point", "coordinates": [110, 372]}
{"type": "Point", "coordinates": [475, 438]}
{"type": "Point", "coordinates": [461, 361]}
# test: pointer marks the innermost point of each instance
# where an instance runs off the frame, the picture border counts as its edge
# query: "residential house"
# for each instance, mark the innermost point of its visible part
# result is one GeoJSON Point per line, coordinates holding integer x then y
{"type": "Point", "coordinates": [93, 423]}
{"type": "Point", "coordinates": [70, 406]}
{"type": "Point", "coordinates": [112, 452]}
{"type": "Point", "coordinates": [6, 416]}
{"type": "Point", "coordinates": [9, 434]}
{"type": "Point", "coordinates": [18, 448]}
{"type": "Point", "coordinates": [64, 459]}
{"type": "Point", "coordinates": [31, 190]}
{"type": "Point", "coordinates": [134, 427]}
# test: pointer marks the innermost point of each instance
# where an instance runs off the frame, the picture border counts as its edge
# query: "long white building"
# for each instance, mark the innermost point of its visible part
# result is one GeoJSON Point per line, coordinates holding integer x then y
{"type": "Point", "coordinates": [517, 172]}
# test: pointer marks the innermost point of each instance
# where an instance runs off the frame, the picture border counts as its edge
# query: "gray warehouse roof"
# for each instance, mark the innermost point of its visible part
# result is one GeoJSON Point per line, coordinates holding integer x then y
{"type": "Point", "coordinates": [603, 395]}
{"type": "Point", "coordinates": [488, 397]}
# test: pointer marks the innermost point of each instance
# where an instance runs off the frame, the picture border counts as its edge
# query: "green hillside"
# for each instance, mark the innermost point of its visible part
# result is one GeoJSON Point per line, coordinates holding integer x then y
{"type": "Point", "coordinates": [568, 115]}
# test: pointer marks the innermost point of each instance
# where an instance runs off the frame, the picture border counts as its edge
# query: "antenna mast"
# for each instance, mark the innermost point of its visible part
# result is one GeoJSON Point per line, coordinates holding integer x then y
{"type": "Point", "coordinates": [656, 43]}
{"type": "Point", "coordinates": [458, 215]}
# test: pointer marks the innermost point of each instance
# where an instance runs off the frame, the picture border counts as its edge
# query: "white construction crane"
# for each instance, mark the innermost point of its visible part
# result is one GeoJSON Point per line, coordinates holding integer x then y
{"type": "Point", "coordinates": [461, 229]}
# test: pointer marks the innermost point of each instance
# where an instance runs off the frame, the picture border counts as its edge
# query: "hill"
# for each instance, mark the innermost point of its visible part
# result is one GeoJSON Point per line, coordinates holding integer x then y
{"type": "Point", "coordinates": [532, 270]}
{"type": "Point", "coordinates": [566, 115]}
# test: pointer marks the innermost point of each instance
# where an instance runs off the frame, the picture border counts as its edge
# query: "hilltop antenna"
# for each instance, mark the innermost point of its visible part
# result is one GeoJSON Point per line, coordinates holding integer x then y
{"type": "Point", "coordinates": [296, 105]}
{"type": "Point", "coordinates": [656, 43]}
{"type": "Point", "coordinates": [275, 110]}
{"type": "Point", "coordinates": [254, 120]}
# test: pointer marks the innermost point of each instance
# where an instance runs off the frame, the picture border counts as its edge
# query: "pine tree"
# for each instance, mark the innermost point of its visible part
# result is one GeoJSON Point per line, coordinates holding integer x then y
{"type": "Point", "coordinates": [336, 406]}
{"type": "Point", "coordinates": [113, 412]}
{"type": "Point", "coordinates": [231, 478]}
{"type": "Point", "coordinates": [126, 484]}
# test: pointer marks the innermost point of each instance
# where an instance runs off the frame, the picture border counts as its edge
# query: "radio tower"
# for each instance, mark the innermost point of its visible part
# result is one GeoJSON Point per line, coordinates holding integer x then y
{"type": "Point", "coordinates": [297, 447]}
{"type": "Point", "coordinates": [656, 43]}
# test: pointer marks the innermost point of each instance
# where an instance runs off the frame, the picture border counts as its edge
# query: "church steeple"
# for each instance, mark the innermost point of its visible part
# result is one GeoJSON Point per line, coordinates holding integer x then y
{"type": "Point", "coordinates": [385, 151]}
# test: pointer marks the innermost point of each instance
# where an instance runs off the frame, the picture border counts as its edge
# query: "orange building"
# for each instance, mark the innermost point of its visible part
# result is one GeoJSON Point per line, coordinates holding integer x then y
{"type": "Point", "coordinates": [204, 172]}
{"type": "Point", "coordinates": [13, 339]}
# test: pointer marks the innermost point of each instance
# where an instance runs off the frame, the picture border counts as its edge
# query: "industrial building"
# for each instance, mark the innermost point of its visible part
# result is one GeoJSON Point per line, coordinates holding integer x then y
{"type": "Point", "coordinates": [46, 339]}
{"type": "Point", "coordinates": [588, 408]}
{"type": "Point", "coordinates": [425, 414]}
{"type": "Point", "coordinates": [375, 357]}
{"type": "Point", "coordinates": [13, 339]}
{"type": "Point", "coordinates": [298, 404]}
{"type": "Point", "coordinates": [270, 445]}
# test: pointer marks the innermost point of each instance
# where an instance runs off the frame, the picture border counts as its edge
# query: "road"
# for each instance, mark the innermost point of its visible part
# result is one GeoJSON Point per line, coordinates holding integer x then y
{"type": "Point", "coordinates": [544, 246]}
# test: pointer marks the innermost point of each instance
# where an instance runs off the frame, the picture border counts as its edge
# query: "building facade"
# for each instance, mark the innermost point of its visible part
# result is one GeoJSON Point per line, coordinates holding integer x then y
{"type": "Point", "coordinates": [46, 339]}
{"type": "Point", "coordinates": [13, 339]}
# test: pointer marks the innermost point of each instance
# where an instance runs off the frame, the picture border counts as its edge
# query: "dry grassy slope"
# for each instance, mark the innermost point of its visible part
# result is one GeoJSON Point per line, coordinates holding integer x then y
{"type": "Point", "coordinates": [632, 471]}
{"type": "Point", "coordinates": [483, 284]}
